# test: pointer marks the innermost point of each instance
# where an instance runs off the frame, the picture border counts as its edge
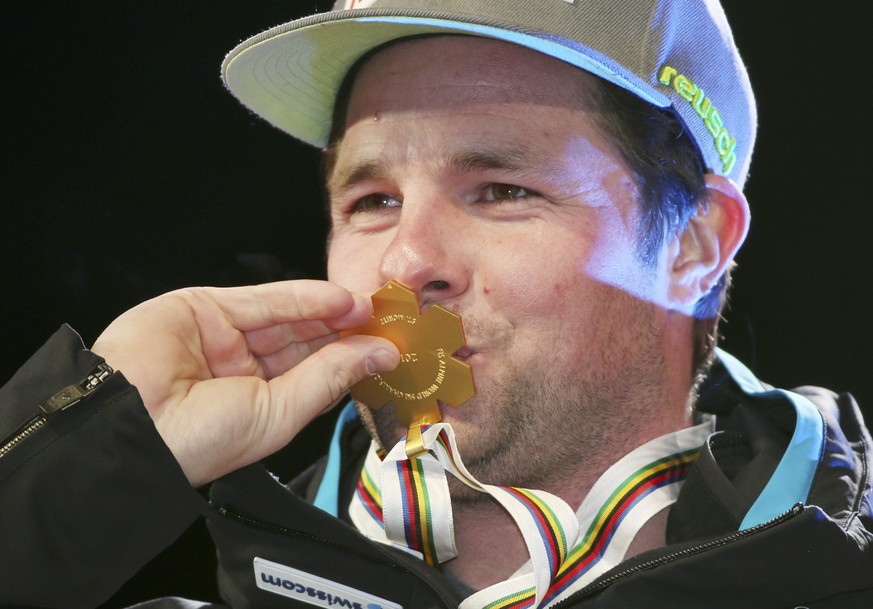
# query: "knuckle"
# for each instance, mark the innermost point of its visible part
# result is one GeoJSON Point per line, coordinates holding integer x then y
{"type": "Point", "coordinates": [341, 381]}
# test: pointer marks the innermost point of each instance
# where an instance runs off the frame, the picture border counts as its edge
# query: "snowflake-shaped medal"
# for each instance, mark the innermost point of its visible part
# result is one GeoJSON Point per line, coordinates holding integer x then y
{"type": "Point", "coordinates": [427, 371]}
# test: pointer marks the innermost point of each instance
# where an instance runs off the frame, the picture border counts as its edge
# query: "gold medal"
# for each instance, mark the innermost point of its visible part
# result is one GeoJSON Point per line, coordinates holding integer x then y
{"type": "Point", "coordinates": [427, 371]}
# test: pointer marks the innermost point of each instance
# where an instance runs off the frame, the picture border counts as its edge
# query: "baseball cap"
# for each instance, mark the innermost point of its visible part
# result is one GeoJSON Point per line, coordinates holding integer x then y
{"type": "Point", "coordinates": [677, 54]}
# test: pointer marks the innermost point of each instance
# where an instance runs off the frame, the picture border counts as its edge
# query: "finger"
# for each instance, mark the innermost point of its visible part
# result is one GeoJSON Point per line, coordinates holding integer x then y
{"type": "Point", "coordinates": [277, 363]}
{"type": "Point", "coordinates": [325, 376]}
{"type": "Point", "coordinates": [266, 341]}
{"type": "Point", "coordinates": [255, 307]}
{"type": "Point", "coordinates": [225, 318]}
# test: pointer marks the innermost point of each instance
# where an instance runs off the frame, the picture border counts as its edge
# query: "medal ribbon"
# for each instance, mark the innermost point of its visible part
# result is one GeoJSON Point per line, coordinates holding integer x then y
{"type": "Point", "coordinates": [406, 503]}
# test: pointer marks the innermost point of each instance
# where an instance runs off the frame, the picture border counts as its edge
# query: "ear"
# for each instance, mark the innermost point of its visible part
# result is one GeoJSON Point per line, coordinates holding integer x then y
{"type": "Point", "coordinates": [701, 253]}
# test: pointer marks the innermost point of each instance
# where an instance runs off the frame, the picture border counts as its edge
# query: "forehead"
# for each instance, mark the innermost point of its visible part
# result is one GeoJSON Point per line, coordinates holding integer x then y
{"type": "Point", "coordinates": [480, 92]}
{"type": "Point", "coordinates": [444, 72]}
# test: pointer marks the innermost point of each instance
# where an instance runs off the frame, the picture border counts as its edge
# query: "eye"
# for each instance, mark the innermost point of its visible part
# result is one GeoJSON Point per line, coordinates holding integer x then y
{"type": "Point", "coordinates": [505, 192]}
{"type": "Point", "coordinates": [374, 201]}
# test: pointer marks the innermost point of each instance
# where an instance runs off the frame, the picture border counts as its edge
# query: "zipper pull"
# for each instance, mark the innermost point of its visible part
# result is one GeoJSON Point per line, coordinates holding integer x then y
{"type": "Point", "coordinates": [63, 399]}
{"type": "Point", "coordinates": [75, 393]}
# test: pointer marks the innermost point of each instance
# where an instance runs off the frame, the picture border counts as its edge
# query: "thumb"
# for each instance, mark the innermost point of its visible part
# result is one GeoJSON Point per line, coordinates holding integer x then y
{"type": "Point", "coordinates": [280, 407]}
{"type": "Point", "coordinates": [316, 383]}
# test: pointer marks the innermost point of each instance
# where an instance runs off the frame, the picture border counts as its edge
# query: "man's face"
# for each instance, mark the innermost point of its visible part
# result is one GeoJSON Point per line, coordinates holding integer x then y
{"type": "Point", "coordinates": [471, 171]}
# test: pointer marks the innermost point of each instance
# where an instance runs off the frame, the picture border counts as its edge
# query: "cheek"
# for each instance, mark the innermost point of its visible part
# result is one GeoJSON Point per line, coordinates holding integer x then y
{"type": "Point", "coordinates": [613, 260]}
{"type": "Point", "coordinates": [623, 271]}
{"type": "Point", "coordinates": [334, 263]}
{"type": "Point", "coordinates": [350, 265]}
{"type": "Point", "coordinates": [533, 286]}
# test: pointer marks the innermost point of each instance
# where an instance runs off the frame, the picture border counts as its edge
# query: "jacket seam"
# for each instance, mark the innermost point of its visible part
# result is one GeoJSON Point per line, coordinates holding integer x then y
{"type": "Point", "coordinates": [862, 481]}
{"type": "Point", "coordinates": [813, 488]}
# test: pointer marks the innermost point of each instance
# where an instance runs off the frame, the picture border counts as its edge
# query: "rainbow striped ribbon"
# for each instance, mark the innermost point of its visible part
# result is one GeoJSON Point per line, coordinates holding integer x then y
{"type": "Point", "coordinates": [367, 492]}
{"type": "Point", "coordinates": [417, 510]}
{"type": "Point", "coordinates": [405, 503]}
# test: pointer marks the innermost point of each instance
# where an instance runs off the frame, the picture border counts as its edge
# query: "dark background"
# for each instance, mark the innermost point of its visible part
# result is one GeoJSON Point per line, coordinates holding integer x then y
{"type": "Point", "coordinates": [127, 171]}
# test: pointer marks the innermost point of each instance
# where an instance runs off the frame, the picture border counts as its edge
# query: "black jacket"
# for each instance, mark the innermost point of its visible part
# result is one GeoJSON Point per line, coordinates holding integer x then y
{"type": "Point", "coordinates": [790, 469]}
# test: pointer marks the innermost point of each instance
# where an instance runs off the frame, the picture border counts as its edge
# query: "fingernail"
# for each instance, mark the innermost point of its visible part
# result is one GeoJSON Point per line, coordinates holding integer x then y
{"type": "Point", "coordinates": [380, 360]}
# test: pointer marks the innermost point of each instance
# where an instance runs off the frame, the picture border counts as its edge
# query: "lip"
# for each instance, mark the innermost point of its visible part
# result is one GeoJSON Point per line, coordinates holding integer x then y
{"type": "Point", "coordinates": [464, 353]}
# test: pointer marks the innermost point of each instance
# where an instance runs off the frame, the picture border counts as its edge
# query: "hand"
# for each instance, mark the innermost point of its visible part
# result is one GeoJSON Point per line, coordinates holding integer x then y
{"type": "Point", "coordinates": [230, 375]}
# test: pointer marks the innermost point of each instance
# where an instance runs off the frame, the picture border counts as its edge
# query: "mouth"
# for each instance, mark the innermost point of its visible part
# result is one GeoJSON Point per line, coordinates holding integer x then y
{"type": "Point", "coordinates": [464, 353]}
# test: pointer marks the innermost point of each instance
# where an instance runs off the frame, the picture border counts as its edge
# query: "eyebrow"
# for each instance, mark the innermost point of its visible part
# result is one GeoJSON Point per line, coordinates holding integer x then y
{"type": "Point", "coordinates": [346, 178]}
{"type": "Point", "coordinates": [513, 160]}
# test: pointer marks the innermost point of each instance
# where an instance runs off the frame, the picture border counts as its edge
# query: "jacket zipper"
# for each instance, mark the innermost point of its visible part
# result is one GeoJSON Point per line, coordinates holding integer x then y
{"type": "Point", "coordinates": [448, 601]}
{"type": "Point", "coordinates": [63, 399]}
{"type": "Point", "coordinates": [600, 584]}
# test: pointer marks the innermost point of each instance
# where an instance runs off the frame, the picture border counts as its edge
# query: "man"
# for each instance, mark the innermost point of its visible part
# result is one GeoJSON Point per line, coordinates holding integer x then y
{"type": "Point", "coordinates": [493, 177]}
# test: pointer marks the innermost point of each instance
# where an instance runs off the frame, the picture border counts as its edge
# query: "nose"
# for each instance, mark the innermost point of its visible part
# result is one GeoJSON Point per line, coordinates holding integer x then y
{"type": "Point", "coordinates": [428, 252]}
